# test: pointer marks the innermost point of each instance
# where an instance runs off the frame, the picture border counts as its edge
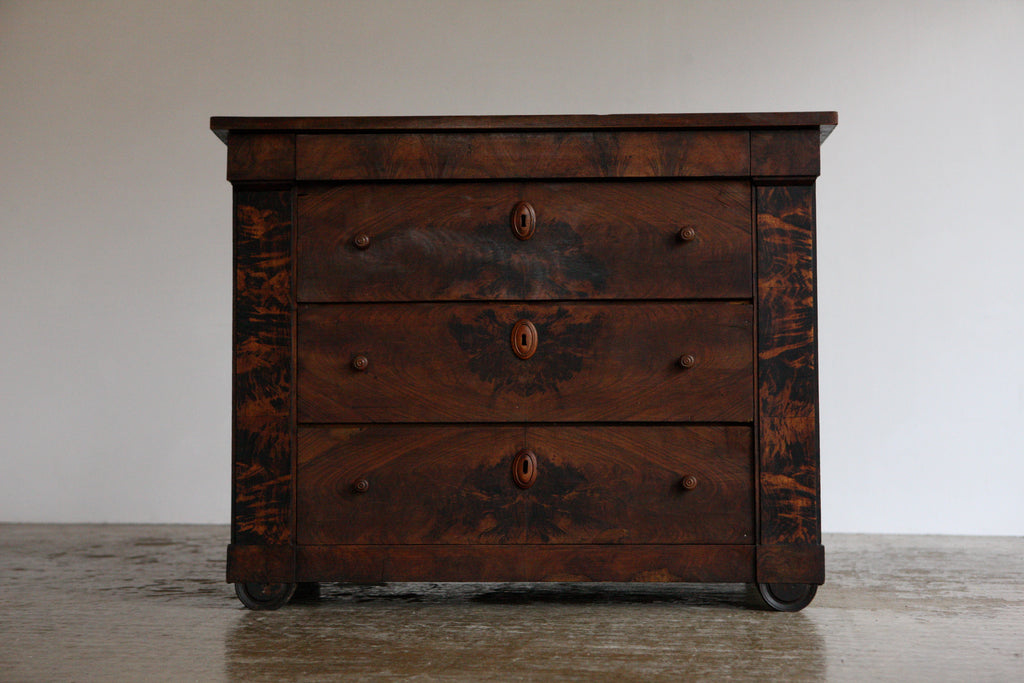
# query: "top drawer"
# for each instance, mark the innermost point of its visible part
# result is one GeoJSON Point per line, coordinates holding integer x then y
{"type": "Point", "coordinates": [458, 241]}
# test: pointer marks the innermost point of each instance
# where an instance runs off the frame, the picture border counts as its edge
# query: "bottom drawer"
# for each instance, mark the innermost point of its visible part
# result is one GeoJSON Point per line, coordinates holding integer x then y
{"type": "Point", "coordinates": [415, 484]}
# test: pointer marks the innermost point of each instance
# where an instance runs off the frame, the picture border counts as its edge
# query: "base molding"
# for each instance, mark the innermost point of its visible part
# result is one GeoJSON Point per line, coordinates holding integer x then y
{"type": "Point", "coordinates": [484, 563]}
{"type": "Point", "coordinates": [640, 563]}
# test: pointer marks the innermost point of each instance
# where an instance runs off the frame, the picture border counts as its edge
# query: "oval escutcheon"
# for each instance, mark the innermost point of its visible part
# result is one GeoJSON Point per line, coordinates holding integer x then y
{"type": "Point", "coordinates": [524, 469]}
{"type": "Point", "coordinates": [524, 220]}
{"type": "Point", "coordinates": [524, 339]}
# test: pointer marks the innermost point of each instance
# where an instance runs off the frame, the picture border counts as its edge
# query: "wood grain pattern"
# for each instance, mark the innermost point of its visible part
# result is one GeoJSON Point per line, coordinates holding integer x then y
{"type": "Point", "coordinates": [454, 484]}
{"type": "Point", "coordinates": [790, 487]}
{"type": "Point", "coordinates": [523, 154]}
{"type": "Point", "coordinates": [787, 360]}
{"type": "Point", "coordinates": [787, 315]}
{"type": "Point", "coordinates": [787, 367]}
{"type": "Point", "coordinates": [266, 157]}
{"type": "Point", "coordinates": [261, 440]}
{"type": "Point", "coordinates": [791, 564]}
{"type": "Point", "coordinates": [548, 562]}
{"type": "Point", "coordinates": [610, 240]}
{"type": "Point", "coordinates": [261, 563]}
{"type": "Point", "coordinates": [594, 362]}
{"type": "Point", "coordinates": [785, 153]}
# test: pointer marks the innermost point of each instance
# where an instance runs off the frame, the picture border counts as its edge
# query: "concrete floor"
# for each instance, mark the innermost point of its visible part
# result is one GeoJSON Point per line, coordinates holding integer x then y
{"type": "Point", "coordinates": [148, 603]}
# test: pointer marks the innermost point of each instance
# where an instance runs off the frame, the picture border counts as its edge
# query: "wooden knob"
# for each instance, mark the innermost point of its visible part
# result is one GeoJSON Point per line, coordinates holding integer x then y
{"type": "Point", "coordinates": [360, 363]}
{"type": "Point", "coordinates": [689, 482]}
{"type": "Point", "coordinates": [362, 240]}
{"type": "Point", "coordinates": [687, 234]}
{"type": "Point", "coordinates": [361, 486]}
{"type": "Point", "coordinates": [687, 360]}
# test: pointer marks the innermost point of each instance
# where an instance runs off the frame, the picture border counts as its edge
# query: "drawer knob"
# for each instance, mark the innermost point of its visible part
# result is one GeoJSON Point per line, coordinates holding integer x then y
{"type": "Point", "coordinates": [524, 220]}
{"type": "Point", "coordinates": [360, 486]}
{"type": "Point", "coordinates": [362, 241]}
{"type": "Point", "coordinates": [689, 482]}
{"type": "Point", "coordinates": [360, 363]}
{"type": "Point", "coordinates": [687, 360]}
{"type": "Point", "coordinates": [524, 469]}
{"type": "Point", "coordinates": [524, 339]}
{"type": "Point", "coordinates": [687, 234]}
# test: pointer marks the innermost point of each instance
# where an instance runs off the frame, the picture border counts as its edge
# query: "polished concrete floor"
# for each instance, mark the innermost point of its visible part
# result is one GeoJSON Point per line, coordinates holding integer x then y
{"type": "Point", "coordinates": [133, 603]}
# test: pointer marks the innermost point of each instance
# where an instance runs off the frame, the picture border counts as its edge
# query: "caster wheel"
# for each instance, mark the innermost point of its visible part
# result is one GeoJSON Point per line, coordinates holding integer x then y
{"type": "Point", "coordinates": [264, 595]}
{"type": "Point", "coordinates": [787, 597]}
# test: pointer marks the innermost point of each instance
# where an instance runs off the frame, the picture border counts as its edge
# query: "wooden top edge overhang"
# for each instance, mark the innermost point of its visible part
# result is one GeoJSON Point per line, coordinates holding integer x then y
{"type": "Point", "coordinates": [223, 125]}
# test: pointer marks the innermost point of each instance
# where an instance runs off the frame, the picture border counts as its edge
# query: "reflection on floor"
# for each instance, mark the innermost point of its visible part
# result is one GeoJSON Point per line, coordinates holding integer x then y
{"type": "Point", "coordinates": [140, 602]}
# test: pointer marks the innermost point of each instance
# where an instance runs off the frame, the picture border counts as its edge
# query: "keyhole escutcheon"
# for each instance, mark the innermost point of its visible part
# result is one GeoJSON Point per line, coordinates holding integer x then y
{"type": "Point", "coordinates": [524, 468]}
{"type": "Point", "coordinates": [524, 220]}
{"type": "Point", "coordinates": [524, 339]}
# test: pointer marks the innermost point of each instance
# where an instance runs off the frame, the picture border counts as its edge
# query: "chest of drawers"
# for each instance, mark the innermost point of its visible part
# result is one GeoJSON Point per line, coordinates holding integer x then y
{"type": "Point", "coordinates": [526, 348]}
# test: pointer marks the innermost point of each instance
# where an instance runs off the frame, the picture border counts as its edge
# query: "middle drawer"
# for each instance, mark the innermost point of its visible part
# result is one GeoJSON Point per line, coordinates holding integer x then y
{"type": "Point", "coordinates": [517, 362]}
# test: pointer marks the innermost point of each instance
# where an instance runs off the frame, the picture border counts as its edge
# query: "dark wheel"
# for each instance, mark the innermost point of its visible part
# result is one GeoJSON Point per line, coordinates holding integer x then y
{"type": "Point", "coordinates": [787, 597]}
{"type": "Point", "coordinates": [264, 595]}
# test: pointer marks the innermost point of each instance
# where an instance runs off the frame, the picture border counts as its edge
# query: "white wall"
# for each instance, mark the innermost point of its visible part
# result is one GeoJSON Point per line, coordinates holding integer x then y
{"type": "Point", "coordinates": [115, 217]}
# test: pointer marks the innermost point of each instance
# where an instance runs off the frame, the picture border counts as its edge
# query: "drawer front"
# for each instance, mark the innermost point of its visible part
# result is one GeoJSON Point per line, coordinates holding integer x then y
{"type": "Point", "coordinates": [607, 240]}
{"type": "Point", "coordinates": [577, 362]}
{"type": "Point", "coordinates": [593, 484]}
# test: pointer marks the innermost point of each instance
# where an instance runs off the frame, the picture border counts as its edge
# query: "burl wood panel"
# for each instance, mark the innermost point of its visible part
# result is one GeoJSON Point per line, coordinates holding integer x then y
{"type": "Point", "coordinates": [454, 484]}
{"type": "Point", "coordinates": [549, 562]}
{"type": "Point", "coordinates": [790, 487]}
{"type": "Point", "coordinates": [594, 362]}
{"type": "Point", "coordinates": [610, 240]}
{"type": "Point", "coordinates": [787, 315]}
{"type": "Point", "coordinates": [526, 154]}
{"type": "Point", "coordinates": [787, 366]}
{"type": "Point", "coordinates": [262, 369]}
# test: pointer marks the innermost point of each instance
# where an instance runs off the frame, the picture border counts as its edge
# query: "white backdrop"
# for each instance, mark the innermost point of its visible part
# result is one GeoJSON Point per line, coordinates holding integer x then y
{"type": "Point", "coordinates": [115, 217]}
